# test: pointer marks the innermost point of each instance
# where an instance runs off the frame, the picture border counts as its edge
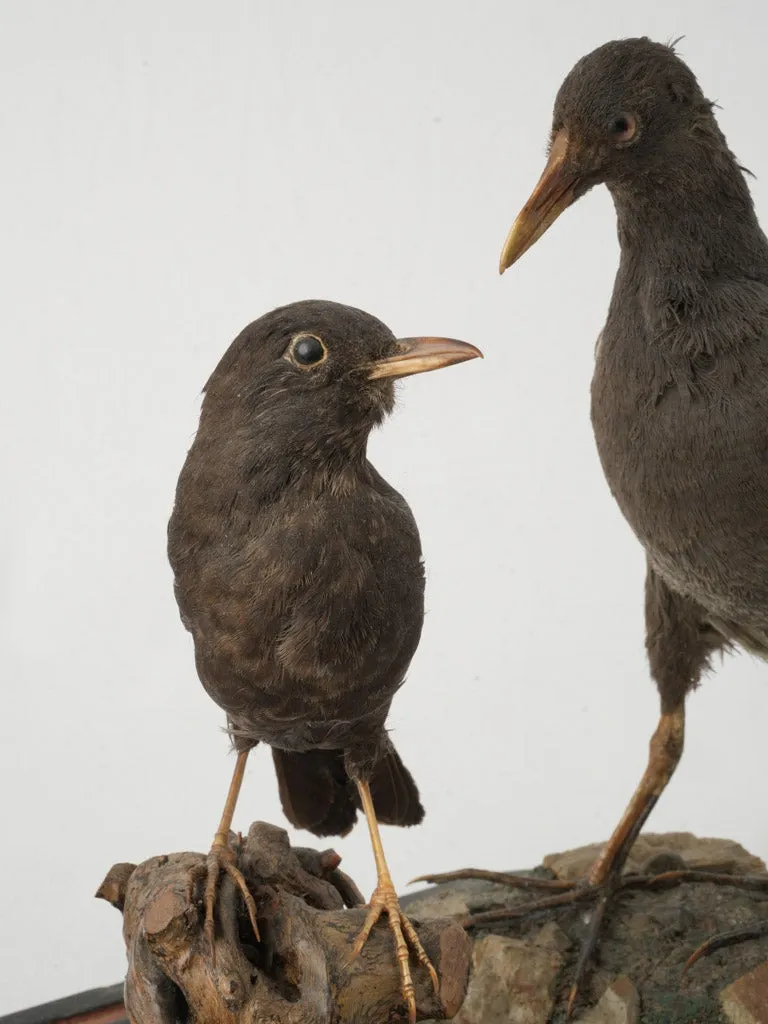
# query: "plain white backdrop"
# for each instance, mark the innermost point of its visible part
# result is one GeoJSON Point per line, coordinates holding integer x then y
{"type": "Point", "coordinates": [170, 171]}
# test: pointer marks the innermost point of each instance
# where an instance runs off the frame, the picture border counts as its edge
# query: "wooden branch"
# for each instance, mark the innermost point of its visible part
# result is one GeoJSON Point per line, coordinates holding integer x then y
{"type": "Point", "coordinates": [300, 973]}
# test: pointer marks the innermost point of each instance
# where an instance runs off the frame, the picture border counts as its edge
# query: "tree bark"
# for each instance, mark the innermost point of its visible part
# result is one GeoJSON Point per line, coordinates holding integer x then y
{"type": "Point", "coordinates": [299, 973]}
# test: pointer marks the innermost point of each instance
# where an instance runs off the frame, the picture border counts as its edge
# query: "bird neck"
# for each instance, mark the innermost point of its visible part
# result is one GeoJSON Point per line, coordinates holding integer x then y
{"type": "Point", "coordinates": [259, 454]}
{"type": "Point", "coordinates": [692, 221]}
{"type": "Point", "coordinates": [315, 452]}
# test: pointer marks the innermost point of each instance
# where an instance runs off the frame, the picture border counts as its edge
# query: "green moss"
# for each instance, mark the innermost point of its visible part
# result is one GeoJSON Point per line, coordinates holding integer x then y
{"type": "Point", "coordinates": [681, 1009]}
{"type": "Point", "coordinates": [664, 1008]}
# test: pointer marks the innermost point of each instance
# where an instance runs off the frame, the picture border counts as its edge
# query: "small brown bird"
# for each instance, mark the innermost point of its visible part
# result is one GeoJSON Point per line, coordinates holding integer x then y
{"type": "Point", "coordinates": [298, 572]}
{"type": "Point", "coordinates": [680, 388]}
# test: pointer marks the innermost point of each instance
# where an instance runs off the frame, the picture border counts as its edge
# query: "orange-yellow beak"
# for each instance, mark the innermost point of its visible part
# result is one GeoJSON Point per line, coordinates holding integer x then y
{"type": "Point", "coordinates": [554, 192]}
{"type": "Point", "coordinates": [419, 355]}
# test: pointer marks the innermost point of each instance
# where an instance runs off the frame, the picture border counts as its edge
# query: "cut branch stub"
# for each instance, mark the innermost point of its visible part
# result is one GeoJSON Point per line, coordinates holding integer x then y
{"type": "Point", "coordinates": [300, 973]}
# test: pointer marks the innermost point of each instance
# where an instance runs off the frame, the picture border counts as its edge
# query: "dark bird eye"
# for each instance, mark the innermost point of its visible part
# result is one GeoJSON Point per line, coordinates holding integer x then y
{"type": "Point", "coordinates": [307, 350]}
{"type": "Point", "coordinates": [624, 128]}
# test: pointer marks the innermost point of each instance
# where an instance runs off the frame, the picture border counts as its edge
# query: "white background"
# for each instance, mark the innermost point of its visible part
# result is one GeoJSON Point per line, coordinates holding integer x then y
{"type": "Point", "coordinates": [170, 171]}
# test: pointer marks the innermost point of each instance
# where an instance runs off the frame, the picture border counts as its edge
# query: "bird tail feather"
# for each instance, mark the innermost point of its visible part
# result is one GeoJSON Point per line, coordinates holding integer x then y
{"type": "Point", "coordinates": [317, 794]}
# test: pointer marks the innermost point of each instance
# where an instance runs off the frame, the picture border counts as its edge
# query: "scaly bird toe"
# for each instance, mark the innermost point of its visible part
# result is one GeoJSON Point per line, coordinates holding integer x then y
{"type": "Point", "coordinates": [384, 900]}
{"type": "Point", "coordinates": [723, 939]}
{"type": "Point", "coordinates": [499, 878]}
{"type": "Point", "coordinates": [220, 859]}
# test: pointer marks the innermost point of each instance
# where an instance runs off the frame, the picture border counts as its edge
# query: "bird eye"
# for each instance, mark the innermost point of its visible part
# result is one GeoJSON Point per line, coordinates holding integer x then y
{"type": "Point", "coordinates": [307, 350]}
{"type": "Point", "coordinates": [624, 129]}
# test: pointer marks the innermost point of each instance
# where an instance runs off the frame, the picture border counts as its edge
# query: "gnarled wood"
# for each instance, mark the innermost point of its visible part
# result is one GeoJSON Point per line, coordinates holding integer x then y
{"type": "Point", "coordinates": [300, 973]}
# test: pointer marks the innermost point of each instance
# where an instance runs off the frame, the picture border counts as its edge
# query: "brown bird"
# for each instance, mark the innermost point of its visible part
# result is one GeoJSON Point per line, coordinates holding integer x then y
{"type": "Point", "coordinates": [680, 388]}
{"type": "Point", "coordinates": [298, 572]}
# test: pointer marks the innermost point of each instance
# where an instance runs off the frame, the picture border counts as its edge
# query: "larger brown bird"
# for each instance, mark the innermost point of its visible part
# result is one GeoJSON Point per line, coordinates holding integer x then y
{"type": "Point", "coordinates": [680, 388]}
{"type": "Point", "coordinates": [298, 572]}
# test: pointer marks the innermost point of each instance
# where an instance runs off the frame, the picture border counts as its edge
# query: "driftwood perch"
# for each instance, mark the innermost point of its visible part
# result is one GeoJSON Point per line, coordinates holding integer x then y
{"type": "Point", "coordinates": [300, 972]}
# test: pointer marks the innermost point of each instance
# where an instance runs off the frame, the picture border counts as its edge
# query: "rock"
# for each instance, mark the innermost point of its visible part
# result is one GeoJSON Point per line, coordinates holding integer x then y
{"type": "Point", "coordinates": [745, 1001]}
{"type": "Point", "coordinates": [553, 937]}
{"type": "Point", "coordinates": [697, 854]}
{"type": "Point", "coordinates": [665, 860]}
{"type": "Point", "coordinates": [648, 937]}
{"type": "Point", "coordinates": [512, 982]}
{"type": "Point", "coordinates": [620, 1004]}
{"type": "Point", "coordinates": [441, 901]}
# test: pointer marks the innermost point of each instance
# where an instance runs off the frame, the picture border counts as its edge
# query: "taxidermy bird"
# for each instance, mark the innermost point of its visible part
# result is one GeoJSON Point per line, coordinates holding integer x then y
{"type": "Point", "coordinates": [298, 572]}
{"type": "Point", "coordinates": [680, 388]}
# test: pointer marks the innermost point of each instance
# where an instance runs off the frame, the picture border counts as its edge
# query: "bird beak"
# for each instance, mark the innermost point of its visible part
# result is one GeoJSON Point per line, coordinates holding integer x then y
{"type": "Point", "coordinates": [418, 355]}
{"type": "Point", "coordinates": [553, 194]}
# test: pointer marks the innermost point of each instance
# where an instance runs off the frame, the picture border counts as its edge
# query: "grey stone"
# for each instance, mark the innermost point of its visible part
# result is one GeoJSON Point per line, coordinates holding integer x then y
{"type": "Point", "coordinates": [745, 1001]}
{"type": "Point", "coordinates": [648, 937]}
{"type": "Point", "coordinates": [697, 854]}
{"type": "Point", "coordinates": [442, 901]}
{"type": "Point", "coordinates": [553, 937]}
{"type": "Point", "coordinates": [619, 1004]}
{"type": "Point", "coordinates": [513, 982]}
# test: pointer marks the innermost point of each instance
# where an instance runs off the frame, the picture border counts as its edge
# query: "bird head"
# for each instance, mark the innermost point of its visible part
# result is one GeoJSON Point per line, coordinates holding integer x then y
{"type": "Point", "coordinates": [317, 376]}
{"type": "Point", "coordinates": [625, 116]}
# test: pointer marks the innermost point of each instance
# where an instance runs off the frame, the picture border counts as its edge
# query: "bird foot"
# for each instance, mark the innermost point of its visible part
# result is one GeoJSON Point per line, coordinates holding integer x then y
{"type": "Point", "coordinates": [220, 860]}
{"type": "Point", "coordinates": [569, 894]}
{"type": "Point", "coordinates": [384, 900]}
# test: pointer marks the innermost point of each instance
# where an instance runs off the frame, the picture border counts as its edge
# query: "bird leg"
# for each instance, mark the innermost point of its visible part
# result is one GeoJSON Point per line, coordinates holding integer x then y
{"type": "Point", "coordinates": [384, 900]}
{"type": "Point", "coordinates": [604, 880]}
{"type": "Point", "coordinates": [665, 753]}
{"type": "Point", "coordinates": [222, 859]}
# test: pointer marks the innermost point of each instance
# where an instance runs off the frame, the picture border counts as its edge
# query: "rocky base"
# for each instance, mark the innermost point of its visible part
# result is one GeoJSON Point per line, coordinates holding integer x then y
{"type": "Point", "coordinates": [522, 971]}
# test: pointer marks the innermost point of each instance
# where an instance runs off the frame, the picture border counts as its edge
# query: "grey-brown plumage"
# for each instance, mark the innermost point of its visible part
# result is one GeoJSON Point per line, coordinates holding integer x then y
{"type": "Point", "coordinates": [297, 567]}
{"type": "Point", "coordinates": [680, 388]}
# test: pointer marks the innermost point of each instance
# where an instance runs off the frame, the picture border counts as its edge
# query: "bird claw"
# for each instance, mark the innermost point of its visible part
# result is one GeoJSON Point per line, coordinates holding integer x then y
{"type": "Point", "coordinates": [220, 859]}
{"type": "Point", "coordinates": [384, 900]}
{"type": "Point", "coordinates": [756, 931]}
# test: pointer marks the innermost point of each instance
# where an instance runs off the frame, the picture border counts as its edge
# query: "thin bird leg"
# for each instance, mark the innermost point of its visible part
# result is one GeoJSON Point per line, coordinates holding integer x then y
{"type": "Point", "coordinates": [384, 900]}
{"type": "Point", "coordinates": [665, 752]}
{"type": "Point", "coordinates": [222, 858]}
{"type": "Point", "coordinates": [604, 879]}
